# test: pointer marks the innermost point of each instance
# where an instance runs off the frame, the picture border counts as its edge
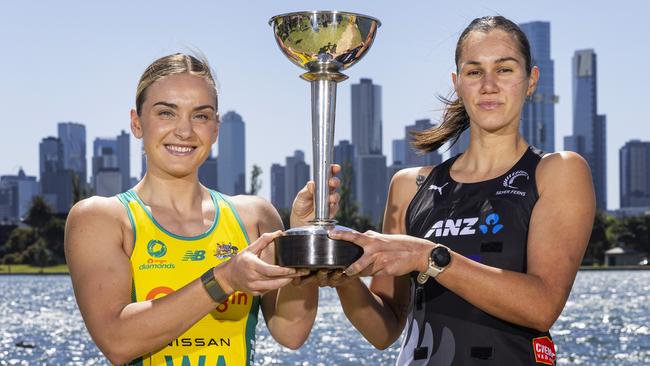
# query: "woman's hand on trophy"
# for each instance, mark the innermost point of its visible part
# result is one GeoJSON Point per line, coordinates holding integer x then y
{"type": "Point", "coordinates": [386, 254]}
{"type": "Point", "coordinates": [247, 272]}
{"type": "Point", "coordinates": [302, 210]}
{"type": "Point", "coordinates": [325, 278]}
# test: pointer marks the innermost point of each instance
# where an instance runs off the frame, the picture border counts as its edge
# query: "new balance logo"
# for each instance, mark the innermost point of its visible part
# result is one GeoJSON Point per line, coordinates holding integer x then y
{"type": "Point", "coordinates": [194, 256]}
{"type": "Point", "coordinates": [439, 189]}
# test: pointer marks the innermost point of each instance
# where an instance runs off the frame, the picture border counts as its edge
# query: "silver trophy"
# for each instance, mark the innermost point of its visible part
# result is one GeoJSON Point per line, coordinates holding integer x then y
{"type": "Point", "coordinates": [323, 43]}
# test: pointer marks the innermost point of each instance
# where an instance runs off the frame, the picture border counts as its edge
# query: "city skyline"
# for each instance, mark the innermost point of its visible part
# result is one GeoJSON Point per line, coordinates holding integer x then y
{"type": "Point", "coordinates": [56, 82]}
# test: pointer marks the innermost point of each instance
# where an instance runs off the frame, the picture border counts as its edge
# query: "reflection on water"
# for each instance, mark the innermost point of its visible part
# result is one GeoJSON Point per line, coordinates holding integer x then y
{"type": "Point", "coordinates": [605, 322]}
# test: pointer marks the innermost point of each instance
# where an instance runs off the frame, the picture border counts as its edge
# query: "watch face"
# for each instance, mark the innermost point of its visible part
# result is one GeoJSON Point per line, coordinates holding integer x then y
{"type": "Point", "coordinates": [440, 256]}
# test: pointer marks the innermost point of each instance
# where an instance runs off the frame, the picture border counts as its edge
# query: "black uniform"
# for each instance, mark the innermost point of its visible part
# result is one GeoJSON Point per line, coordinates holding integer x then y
{"type": "Point", "coordinates": [486, 222]}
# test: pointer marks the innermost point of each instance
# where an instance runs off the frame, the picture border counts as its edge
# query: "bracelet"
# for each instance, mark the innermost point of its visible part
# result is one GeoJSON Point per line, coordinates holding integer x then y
{"type": "Point", "coordinates": [213, 288]}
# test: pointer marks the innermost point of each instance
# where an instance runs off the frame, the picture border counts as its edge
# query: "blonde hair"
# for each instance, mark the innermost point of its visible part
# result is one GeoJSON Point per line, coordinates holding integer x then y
{"type": "Point", "coordinates": [177, 63]}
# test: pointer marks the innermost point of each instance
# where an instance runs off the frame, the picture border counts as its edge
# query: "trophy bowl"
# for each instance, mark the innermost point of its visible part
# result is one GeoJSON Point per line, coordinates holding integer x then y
{"type": "Point", "coordinates": [323, 43]}
{"type": "Point", "coordinates": [313, 39]}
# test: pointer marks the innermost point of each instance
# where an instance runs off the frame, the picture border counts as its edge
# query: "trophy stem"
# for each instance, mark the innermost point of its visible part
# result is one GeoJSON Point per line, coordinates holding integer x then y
{"type": "Point", "coordinates": [323, 103]}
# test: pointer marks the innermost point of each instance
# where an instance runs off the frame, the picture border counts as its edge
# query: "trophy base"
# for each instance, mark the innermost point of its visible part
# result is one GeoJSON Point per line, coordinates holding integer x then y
{"type": "Point", "coordinates": [310, 247]}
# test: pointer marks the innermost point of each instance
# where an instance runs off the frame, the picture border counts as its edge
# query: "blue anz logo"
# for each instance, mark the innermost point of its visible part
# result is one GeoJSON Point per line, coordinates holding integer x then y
{"type": "Point", "coordinates": [194, 256]}
{"type": "Point", "coordinates": [156, 248]}
{"type": "Point", "coordinates": [491, 224]}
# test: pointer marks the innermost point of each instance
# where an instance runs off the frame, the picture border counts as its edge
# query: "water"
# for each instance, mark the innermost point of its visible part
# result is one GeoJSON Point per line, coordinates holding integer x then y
{"type": "Point", "coordinates": [605, 322]}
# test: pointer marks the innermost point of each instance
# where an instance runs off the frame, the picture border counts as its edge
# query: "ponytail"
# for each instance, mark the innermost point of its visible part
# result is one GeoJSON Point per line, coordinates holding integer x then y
{"type": "Point", "coordinates": [455, 120]}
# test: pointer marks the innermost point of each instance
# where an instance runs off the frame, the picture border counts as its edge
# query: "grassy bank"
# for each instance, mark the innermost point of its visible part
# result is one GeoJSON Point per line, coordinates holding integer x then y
{"type": "Point", "coordinates": [27, 269]}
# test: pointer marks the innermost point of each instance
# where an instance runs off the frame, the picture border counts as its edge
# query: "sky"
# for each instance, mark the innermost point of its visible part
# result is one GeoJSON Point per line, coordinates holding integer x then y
{"type": "Point", "coordinates": [80, 61]}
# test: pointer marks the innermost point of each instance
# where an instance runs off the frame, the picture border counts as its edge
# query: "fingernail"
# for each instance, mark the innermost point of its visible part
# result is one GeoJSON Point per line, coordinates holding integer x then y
{"type": "Point", "coordinates": [335, 233]}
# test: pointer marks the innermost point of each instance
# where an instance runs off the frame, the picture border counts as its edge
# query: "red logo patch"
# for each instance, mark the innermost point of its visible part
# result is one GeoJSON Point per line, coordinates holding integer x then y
{"type": "Point", "coordinates": [544, 350]}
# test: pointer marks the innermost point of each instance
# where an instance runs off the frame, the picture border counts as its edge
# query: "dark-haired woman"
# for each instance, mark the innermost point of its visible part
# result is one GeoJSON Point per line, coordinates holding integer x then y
{"type": "Point", "coordinates": [478, 260]}
{"type": "Point", "coordinates": [170, 272]}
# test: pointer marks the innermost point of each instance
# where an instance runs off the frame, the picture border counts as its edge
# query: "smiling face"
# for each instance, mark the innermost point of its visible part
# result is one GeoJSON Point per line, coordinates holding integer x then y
{"type": "Point", "coordinates": [178, 123]}
{"type": "Point", "coordinates": [492, 80]}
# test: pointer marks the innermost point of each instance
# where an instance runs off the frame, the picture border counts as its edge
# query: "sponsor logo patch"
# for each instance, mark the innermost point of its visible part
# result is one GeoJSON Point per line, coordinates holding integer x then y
{"type": "Point", "coordinates": [224, 250]}
{"type": "Point", "coordinates": [466, 226]}
{"type": "Point", "coordinates": [194, 255]}
{"type": "Point", "coordinates": [156, 248]}
{"type": "Point", "coordinates": [544, 350]}
{"type": "Point", "coordinates": [512, 183]}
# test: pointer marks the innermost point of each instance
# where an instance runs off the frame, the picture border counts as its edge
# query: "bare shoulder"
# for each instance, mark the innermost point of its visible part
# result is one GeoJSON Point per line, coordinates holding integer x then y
{"type": "Point", "coordinates": [251, 205]}
{"type": "Point", "coordinates": [107, 210]}
{"type": "Point", "coordinates": [405, 182]}
{"type": "Point", "coordinates": [256, 213]}
{"type": "Point", "coordinates": [562, 168]}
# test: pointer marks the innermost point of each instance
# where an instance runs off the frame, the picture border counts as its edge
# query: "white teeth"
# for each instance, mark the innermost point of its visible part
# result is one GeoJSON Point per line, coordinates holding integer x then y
{"type": "Point", "coordinates": [181, 149]}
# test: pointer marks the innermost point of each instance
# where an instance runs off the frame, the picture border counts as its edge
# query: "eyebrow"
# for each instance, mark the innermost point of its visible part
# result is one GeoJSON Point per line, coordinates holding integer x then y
{"type": "Point", "coordinates": [498, 61]}
{"type": "Point", "coordinates": [174, 106]}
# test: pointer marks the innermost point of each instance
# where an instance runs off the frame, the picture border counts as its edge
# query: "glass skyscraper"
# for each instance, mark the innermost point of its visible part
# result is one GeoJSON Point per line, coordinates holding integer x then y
{"type": "Point", "coordinates": [589, 128]}
{"type": "Point", "coordinates": [538, 115]}
{"type": "Point", "coordinates": [231, 160]}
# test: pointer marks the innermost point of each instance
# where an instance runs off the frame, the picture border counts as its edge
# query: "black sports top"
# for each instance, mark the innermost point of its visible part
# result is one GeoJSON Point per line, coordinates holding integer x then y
{"type": "Point", "coordinates": [486, 222]}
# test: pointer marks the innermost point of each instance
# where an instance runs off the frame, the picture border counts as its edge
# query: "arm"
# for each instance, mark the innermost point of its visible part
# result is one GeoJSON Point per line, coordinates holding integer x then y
{"type": "Point", "coordinates": [559, 231]}
{"type": "Point", "coordinates": [560, 226]}
{"type": "Point", "coordinates": [289, 311]}
{"type": "Point", "coordinates": [96, 232]}
{"type": "Point", "coordinates": [380, 313]}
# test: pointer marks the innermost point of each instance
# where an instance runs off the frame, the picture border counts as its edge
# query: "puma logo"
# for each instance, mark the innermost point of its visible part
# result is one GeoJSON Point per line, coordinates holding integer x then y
{"type": "Point", "coordinates": [439, 189]}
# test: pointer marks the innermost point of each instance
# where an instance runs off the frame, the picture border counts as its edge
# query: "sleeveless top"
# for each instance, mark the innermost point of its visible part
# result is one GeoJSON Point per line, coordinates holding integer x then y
{"type": "Point", "coordinates": [486, 222]}
{"type": "Point", "coordinates": [163, 262]}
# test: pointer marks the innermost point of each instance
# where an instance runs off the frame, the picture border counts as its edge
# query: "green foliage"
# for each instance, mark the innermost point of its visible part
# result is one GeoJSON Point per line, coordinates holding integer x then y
{"type": "Point", "coordinates": [39, 213]}
{"type": "Point", "coordinates": [348, 213]}
{"type": "Point", "coordinates": [256, 183]}
{"type": "Point", "coordinates": [19, 240]}
{"type": "Point", "coordinates": [40, 243]}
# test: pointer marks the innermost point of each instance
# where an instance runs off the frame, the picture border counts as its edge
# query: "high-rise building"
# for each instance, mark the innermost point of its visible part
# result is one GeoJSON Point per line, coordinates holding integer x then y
{"type": "Point", "coordinates": [634, 163]}
{"type": "Point", "coordinates": [56, 181]}
{"type": "Point", "coordinates": [461, 145]}
{"type": "Point", "coordinates": [124, 159]}
{"type": "Point", "coordinates": [538, 115]}
{"type": "Point", "coordinates": [108, 182]}
{"type": "Point", "coordinates": [111, 155]}
{"type": "Point", "coordinates": [296, 175]}
{"type": "Point", "coordinates": [278, 187]}
{"type": "Point", "coordinates": [399, 151]}
{"type": "Point", "coordinates": [371, 186]}
{"type": "Point", "coordinates": [589, 128]}
{"type": "Point", "coordinates": [143, 167]}
{"type": "Point", "coordinates": [20, 190]}
{"type": "Point", "coordinates": [73, 140]}
{"type": "Point", "coordinates": [231, 160]}
{"type": "Point", "coordinates": [344, 152]}
{"type": "Point", "coordinates": [366, 118]}
{"type": "Point", "coordinates": [208, 173]}
{"type": "Point", "coordinates": [412, 157]}
{"type": "Point", "coordinates": [344, 156]}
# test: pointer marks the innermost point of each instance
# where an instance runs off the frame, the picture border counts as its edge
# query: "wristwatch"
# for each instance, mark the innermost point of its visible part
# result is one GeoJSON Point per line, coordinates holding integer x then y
{"type": "Point", "coordinates": [439, 259]}
{"type": "Point", "coordinates": [212, 287]}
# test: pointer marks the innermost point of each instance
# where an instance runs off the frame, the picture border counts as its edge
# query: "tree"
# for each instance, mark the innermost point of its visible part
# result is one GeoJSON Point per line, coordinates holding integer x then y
{"type": "Point", "coordinates": [348, 214]}
{"type": "Point", "coordinates": [79, 189]}
{"type": "Point", "coordinates": [599, 240]}
{"type": "Point", "coordinates": [39, 213]}
{"type": "Point", "coordinates": [256, 183]}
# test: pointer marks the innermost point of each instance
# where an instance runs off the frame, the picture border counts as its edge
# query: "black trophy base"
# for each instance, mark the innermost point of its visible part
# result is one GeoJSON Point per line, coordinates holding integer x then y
{"type": "Point", "coordinates": [315, 251]}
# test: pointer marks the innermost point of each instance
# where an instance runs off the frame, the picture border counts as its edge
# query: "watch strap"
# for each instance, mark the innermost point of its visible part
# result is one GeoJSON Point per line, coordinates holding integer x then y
{"type": "Point", "coordinates": [213, 288]}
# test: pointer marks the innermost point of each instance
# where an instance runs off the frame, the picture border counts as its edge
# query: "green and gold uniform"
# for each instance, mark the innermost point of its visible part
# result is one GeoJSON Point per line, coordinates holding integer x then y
{"type": "Point", "coordinates": [163, 262]}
